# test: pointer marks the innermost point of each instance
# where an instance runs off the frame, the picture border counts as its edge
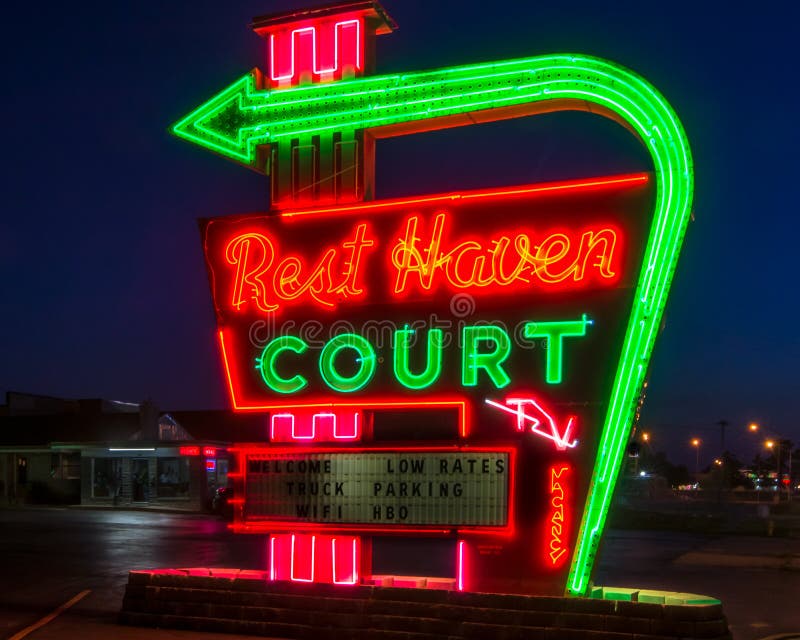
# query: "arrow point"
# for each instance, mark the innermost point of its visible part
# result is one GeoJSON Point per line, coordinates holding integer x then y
{"type": "Point", "coordinates": [217, 124]}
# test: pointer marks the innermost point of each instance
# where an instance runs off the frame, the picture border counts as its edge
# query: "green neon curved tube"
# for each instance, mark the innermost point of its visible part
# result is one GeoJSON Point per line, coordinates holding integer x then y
{"type": "Point", "coordinates": [242, 117]}
{"type": "Point", "coordinates": [554, 334]}
{"type": "Point", "coordinates": [365, 358]}
{"type": "Point", "coordinates": [266, 364]}
{"type": "Point", "coordinates": [472, 359]}
{"type": "Point", "coordinates": [402, 357]}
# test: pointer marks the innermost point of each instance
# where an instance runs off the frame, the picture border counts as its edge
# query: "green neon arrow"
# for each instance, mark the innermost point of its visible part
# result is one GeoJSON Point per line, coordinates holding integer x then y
{"type": "Point", "coordinates": [242, 117]}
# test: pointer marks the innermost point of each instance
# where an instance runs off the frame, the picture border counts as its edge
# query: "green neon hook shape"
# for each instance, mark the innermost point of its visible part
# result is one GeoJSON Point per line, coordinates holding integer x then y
{"type": "Point", "coordinates": [239, 119]}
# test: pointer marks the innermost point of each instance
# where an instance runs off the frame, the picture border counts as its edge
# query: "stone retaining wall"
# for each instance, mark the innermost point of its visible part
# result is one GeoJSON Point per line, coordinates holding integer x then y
{"type": "Point", "coordinates": [245, 602]}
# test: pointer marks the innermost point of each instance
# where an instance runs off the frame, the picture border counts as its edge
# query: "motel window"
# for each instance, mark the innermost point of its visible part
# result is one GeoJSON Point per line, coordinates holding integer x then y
{"type": "Point", "coordinates": [173, 478]}
{"type": "Point", "coordinates": [106, 477]}
{"type": "Point", "coordinates": [65, 466]}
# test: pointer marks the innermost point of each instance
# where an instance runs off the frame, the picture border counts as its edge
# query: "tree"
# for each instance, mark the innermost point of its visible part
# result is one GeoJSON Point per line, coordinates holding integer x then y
{"type": "Point", "coordinates": [728, 475]}
{"type": "Point", "coordinates": [674, 474]}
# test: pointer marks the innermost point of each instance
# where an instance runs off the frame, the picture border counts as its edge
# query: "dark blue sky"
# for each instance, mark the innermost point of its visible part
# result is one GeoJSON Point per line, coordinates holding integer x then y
{"type": "Point", "coordinates": [105, 288]}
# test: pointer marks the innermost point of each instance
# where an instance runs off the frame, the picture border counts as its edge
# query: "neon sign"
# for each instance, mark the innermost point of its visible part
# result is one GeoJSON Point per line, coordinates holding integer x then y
{"type": "Point", "coordinates": [422, 261]}
{"type": "Point", "coordinates": [557, 522]}
{"type": "Point", "coordinates": [291, 280]}
{"type": "Point", "coordinates": [314, 558]}
{"type": "Point", "coordinates": [509, 378]}
{"type": "Point", "coordinates": [367, 256]}
{"type": "Point", "coordinates": [189, 451]}
{"type": "Point", "coordinates": [335, 316]}
{"type": "Point", "coordinates": [347, 44]}
{"type": "Point", "coordinates": [315, 426]}
{"type": "Point", "coordinates": [263, 276]}
{"type": "Point", "coordinates": [522, 408]}
{"type": "Point", "coordinates": [422, 488]}
{"type": "Point", "coordinates": [477, 361]}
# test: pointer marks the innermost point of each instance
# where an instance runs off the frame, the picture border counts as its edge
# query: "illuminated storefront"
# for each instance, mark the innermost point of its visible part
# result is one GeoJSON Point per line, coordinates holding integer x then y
{"type": "Point", "coordinates": [106, 453]}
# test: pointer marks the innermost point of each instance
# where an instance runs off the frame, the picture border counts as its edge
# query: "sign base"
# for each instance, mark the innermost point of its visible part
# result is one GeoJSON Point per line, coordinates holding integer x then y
{"type": "Point", "coordinates": [238, 601]}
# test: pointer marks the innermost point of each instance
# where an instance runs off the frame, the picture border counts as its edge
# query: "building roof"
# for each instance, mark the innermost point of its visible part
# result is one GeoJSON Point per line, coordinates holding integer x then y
{"type": "Point", "coordinates": [41, 420]}
{"type": "Point", "coordinates": [223, 426]}
{"type": "Point", "coordinates": [36, 430]}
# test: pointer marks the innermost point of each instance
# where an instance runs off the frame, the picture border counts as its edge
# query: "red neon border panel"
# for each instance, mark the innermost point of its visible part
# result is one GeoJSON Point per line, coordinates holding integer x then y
{"type": "Point", "coordinates": [539, 189]}
{"type": "Point", "coordinates": [275, 526]}
{"type": "Point", "coordinates": [388, 402]}
{"type": "Point", "coordinates": [381, 206]}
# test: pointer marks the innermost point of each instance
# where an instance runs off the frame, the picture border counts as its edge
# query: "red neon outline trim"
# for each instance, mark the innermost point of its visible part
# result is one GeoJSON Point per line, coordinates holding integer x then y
{"type": "Point", "coordinates": [325, 433]}
{"type": "Point", "coordinates": [228, 375]}
{"type": "Point", "coordinates": [460, 566]}
{"type": "Point", "coordinates": [313, 552]}
{"type": "Point", "coordinates": [268, 527]}
{"type": "Point", "coordinates": [631, 179]}
{"type": "Point", "coordinates": [261, 525]}
{"type": "Point", "coordinates": [402, 402]}
{"type": "Point", "coordinates": [356, 428]}
{"type": "Point", "coordinates": [272, 558]}
{"type": "Point", "coordinates": [322, 414]}
{"type": "Point", "coordinates": [399, 402]}
{"type": "Point", "coordinates": [272, 425]}
{"type": "Point", "coordinates": [354, 576]}
{"type": "Point", "coordinates": [338, 28]}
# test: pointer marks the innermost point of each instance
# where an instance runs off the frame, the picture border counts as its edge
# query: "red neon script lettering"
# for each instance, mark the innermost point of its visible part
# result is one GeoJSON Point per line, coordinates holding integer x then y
{"type": "Point", "coordinates": [557, 534]}
{"type": "Point", "coordinates": [426, 261]}
{"type": "Point", "coordinates": [269, 281]}
{"type": "Point", "coordinates": [424, 256]}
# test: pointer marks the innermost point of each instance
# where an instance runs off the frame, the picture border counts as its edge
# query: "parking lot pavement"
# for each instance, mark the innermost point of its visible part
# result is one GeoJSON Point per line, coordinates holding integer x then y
{"type": "Point", "coordinates": [52, 555]}
{"type": "Point", "coordinates": [83, 622]}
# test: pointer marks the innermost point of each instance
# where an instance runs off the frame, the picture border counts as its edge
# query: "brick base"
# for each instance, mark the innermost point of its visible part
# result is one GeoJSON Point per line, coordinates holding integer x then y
{"type": "Point", "coordinates": [234, 601]}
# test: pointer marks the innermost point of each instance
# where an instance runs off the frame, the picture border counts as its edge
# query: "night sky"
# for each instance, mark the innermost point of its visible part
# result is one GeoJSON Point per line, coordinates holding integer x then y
{"type": "Point", "coordinates": [105, 287]}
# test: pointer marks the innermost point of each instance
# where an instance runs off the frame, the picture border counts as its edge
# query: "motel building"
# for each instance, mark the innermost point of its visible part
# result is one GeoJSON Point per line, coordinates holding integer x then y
{"type": "Point", "coordinates": [107, 453]}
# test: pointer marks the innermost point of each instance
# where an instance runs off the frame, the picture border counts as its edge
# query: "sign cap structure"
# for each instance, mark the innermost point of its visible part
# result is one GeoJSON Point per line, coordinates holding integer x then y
{"type": "Point", "coordinates": [382, 22]}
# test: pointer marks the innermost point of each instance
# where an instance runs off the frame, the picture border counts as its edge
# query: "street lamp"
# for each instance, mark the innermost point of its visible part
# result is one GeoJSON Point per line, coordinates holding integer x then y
{"type": "Point", "coordinates": [775, 444]}
{"type": "Point", "coordinates": [772, 445]}
{"type": "Point", "coordinates": [695, 442]}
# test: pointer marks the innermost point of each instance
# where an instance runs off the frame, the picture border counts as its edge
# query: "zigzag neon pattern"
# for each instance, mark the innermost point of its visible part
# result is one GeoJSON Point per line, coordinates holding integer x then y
{"type": "Point", "coordinates": [296, 38]}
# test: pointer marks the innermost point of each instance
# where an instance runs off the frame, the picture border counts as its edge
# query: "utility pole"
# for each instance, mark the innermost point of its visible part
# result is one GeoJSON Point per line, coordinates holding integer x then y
{"type": "Point", "coordinates": [723, 471]}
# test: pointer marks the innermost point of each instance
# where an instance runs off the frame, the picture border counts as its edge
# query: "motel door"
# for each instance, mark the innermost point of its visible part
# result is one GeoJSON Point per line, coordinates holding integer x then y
{"type": "Point", "coordinates": [139, 480]}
